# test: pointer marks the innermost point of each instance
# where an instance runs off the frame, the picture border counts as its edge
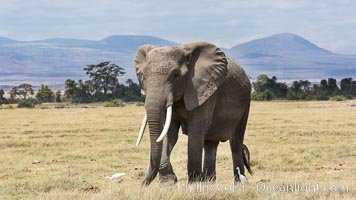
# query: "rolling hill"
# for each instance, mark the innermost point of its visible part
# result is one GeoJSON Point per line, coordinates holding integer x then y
{"type": "Point", "coordinates": [54, 60]}
{"type": "Point", "coordinates": [51, 61]}
{"type": "Point", "coordinates": [289, 56]}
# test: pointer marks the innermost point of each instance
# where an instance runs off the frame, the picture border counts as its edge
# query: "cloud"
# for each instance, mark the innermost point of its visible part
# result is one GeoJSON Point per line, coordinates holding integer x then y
{"type": "Point", "coordinates": [328, 23]}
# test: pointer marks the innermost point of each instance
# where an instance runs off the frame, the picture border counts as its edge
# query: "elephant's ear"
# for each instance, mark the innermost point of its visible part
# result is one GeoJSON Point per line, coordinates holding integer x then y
{"type": "Point", "coordinates": [140, 60]}
{"type": "Point", "coordinates": [207, 68]}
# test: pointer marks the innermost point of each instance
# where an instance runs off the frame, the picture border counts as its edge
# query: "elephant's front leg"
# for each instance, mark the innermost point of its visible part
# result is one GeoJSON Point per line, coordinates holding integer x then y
{"type": "Point", "coordinates": [166, 174]}
{"type": "Point", "coordinates": [195, 150]}
{"type": "Point", "coordinates": [198, 125]}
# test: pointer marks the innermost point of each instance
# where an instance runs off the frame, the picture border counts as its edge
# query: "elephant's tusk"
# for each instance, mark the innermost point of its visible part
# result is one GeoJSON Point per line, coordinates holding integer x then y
{"type": "Point", "coordinates": [142, 130]}
{"type": "Point", "coordinates": [166, 124]}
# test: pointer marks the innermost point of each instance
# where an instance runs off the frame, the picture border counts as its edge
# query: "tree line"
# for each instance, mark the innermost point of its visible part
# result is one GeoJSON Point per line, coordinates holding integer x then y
{"type": "Point", "coordinates": [266, 88]}
{"type": "Point", "coordinates": [103, 85]}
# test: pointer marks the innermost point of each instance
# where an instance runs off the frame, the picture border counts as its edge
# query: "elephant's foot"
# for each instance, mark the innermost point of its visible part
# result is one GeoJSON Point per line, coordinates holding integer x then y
{"type": "Point", "coordinates": [209, 177]}
{"type": "Point", "coordinates": [195, 177]}
{"type": "Point", "coordinates": [168, 179]}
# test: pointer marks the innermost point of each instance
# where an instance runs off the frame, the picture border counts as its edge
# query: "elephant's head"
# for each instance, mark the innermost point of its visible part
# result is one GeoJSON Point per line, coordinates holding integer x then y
{"type": "Point", "coordinates": [190, 72]}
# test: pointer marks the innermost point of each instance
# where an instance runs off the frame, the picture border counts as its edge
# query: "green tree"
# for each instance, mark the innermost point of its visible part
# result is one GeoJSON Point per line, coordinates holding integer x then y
{"type": "Point", "coordinates": [320, 92]}
{"type": "Point", "coordinates": [347, 87]}
{"type": "Point", "coordinates": [45, 94]}
{"type": "Point", "coordinates": [25, 89]}
{"type": "Point", "coordinates": [326, 89]}
{"type": "Point", "coordinates": [281, 90]}
{"type": "Point", "coordinates": [292, 95]}
{"type": "Point", "coordinates": [354, 88]}
{"type": "Point", "coordinates": [296, 86]}
{"type": "Point", "coordinates": [120, 91]}
{"type": "Point", "coordinates": [300, 90]}
{"type": "Point", "coordinates": [305, 85]}
{"type": "Point", "coordinates": [13, 93]}
{"type": "Point", "coordinates": [83, 92]}
{"type": "Point", "coordinates": [77, 92]}
{"type": "Point", "coordinates": [133, 92]}
{"type": "Point", "coordinates": [332, 87]}
{"type": "Point", "coordinates": [324, 84]}
{"type": "Point", "coordinates": [2, 93]}
{"type": "Point", "coordinates": [262, 83]}
{"type": "Point", "coordinates": [104, 76]}
{"type": "Point", "coordinates": [267, 95]}
{"type": "Point", "coordinates": [58, 96]}
{"type": "Point", "coordinates": [21, 90]}
{"type": "Point", "coordinates": [70, 89]}
{"type": "Point", "coordinates": [268, 88]}
{"type": "Point", "coordinates": [2, 99]}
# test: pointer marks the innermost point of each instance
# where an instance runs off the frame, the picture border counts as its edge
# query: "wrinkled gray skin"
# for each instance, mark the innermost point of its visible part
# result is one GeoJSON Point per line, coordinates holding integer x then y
{"type": "Point", "coordinates": [210, 94]}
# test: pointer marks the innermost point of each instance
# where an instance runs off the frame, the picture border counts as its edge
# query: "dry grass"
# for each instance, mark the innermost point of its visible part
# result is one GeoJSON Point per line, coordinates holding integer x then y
{"type": "Point", "coordinates": [291, 143]}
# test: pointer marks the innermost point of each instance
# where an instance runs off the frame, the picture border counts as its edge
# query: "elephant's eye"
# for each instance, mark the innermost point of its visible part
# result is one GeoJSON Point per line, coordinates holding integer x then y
{"type": "Point", "coordinates": [173, 76]}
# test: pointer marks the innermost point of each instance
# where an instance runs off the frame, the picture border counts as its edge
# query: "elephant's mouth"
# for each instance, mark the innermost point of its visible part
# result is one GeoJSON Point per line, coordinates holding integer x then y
{"type": "Point", "coordinates": [164, 132]}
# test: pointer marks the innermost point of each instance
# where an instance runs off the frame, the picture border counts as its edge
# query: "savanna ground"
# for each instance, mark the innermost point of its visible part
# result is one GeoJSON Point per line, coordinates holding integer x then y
{"type": "Point", "coordinates": [66, 153]}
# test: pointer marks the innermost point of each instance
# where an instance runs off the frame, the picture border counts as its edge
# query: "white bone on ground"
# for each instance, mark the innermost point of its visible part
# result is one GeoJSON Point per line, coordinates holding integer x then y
{"type": "Point", "coordinates": [115, 176]}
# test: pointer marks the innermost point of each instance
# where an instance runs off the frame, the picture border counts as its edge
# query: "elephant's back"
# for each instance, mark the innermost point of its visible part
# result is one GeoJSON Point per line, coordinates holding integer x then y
{"type": "Point", "coordinates": [237, 80]}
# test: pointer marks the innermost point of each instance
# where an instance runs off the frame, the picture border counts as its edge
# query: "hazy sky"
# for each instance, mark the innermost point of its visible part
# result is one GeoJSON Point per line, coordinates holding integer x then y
{"type": "Point", "coordinates": [330, 24]}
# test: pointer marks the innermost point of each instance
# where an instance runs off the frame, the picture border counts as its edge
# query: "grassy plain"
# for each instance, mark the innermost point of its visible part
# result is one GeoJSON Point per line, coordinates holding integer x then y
{"type": "Point", "coordinates": [65, 153]}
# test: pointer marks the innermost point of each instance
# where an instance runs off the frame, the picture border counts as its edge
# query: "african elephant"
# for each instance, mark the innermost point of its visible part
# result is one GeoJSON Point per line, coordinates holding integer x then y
{"type": "Point", "coordinates": [197, 88]}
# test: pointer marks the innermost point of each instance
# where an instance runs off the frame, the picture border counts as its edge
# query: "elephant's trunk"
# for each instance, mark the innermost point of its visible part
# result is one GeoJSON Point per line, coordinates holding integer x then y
{"type": "Point", "coordinates": [156, 103]}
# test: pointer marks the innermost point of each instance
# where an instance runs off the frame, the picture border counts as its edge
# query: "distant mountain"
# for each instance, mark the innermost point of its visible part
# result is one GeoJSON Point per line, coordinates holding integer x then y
{"type": "Point", "coordinates": [52, 61]}
{"type": "Point", "coordinates": [67, 42]}
{"type": "Point", "coordinates": [283, 44]}
{"type": "Point", "coordinates": [130, 42]}
{"type": "Point", "coordinates": [6, 40]}
{"type": "Point", "coordinates": [289, 56]}
{"type": "Point", "coordinates": [112, 43]}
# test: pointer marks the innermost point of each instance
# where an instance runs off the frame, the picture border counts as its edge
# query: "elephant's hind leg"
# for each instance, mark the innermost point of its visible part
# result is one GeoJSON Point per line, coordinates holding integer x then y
{"type": "Point", "coordinates": [236, 146]}
{"type": "Point", "coordinates": [210, 148]}
{"type": "Point", "coordinates": [166, 174]}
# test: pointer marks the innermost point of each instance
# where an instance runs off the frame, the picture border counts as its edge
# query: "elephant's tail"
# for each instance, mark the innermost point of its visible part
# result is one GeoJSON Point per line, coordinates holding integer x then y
{"type": "Point", "coordinates": [246, 158]}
